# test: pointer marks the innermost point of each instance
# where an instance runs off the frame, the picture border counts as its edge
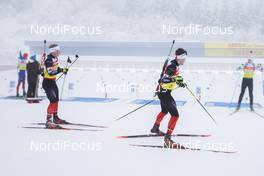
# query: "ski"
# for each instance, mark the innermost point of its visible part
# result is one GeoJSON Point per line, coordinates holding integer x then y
{"type": "Point", "coordinates": [76, 124]}
{"type": "Point", "coordinates": [181, 147]}
{"type": "Point", "coordinates": [159, 135]}
{"type": "Point", "coordinates": [254, 112]}
{"type": "Point", "coordinates": [59, 128]}
{"type": "Point", "coordinates": [33, 100]}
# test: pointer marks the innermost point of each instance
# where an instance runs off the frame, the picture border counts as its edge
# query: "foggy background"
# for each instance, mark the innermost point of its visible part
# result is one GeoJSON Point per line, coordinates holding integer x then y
{"type": "Point", "coordinates": [129, 20]}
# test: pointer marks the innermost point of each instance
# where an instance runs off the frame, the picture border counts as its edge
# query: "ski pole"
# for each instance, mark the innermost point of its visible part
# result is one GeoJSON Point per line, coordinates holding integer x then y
{"type": "Point", "coordinates": [44, 53]}
{"type": "Point", "coordinates": [135, 109]}
{"type": "Point", "coordinates": [167, 60]}
{"type": "Point", "coordinates": [36, 88]}
{"type": "Point", "coordinates": [43, 59]}
{"type": "Point", "coordinates": [104, 84]}
{"type": "Point", "coordinates": [41, 67]}
{"type": "Point", "coordinates": [201, 104]}
{"type": "Point", "coordinates": [45, 45]}
{"type": "Point", "coordinates": [76, 58]}
{"type": "Point", "coordinates": [164, 66]}
{"type": "Point", "coordinates": [236, 85]}
{"type": "Point", "coordinates": [68, 61]}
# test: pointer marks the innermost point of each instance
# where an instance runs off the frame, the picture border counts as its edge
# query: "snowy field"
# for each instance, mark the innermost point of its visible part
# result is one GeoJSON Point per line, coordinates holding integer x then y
{"type": "Point", "coordinates": [99, 89]}
{"type": "Point", "coordinates": [42, 152]}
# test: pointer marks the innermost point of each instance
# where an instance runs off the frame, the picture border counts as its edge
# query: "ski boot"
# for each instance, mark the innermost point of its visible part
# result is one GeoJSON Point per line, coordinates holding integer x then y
{"type": "Point", "coordinates": [155, 129]}
{"type": "Point", "coordinates": [169, 143]}
{"type": "Point", "coordinates": [17, 94]}
{"type": "Point", "coordinates": [251, 108]}
{"type": "Point", "coordinates": [238, 107]}
{"type": "Point", "coordinates": [57, 120]}
{"type": "Point", "coordinates": [24, 94]}
{"type": "Point", "coordinates": [50, 125]}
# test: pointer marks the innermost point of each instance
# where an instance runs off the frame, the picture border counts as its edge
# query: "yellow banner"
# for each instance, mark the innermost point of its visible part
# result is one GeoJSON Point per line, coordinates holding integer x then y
{"type": "Point", "coordinates": [223, 49]}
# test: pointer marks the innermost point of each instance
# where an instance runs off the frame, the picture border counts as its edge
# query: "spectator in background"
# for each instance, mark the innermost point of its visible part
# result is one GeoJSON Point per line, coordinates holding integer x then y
{"type": "Point", "coordinates": [247, 82]}
{"type": "Point", "coordinates": [21, 67]}
{"type": "Point", "coordinates": [33, 71]}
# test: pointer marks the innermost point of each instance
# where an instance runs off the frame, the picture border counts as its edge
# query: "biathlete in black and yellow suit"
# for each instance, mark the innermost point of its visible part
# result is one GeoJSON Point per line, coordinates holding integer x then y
{"type": "Point", "coordinates": [51, 69]}
{"type": "Point", "coordinates": [247, 82]}
{"type": "Point", "coordinates": [169, 81]}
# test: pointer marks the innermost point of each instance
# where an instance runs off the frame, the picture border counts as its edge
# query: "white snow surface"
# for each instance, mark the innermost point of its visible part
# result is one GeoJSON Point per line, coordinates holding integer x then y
{"type": "Point", "coordinates": [106, 155]}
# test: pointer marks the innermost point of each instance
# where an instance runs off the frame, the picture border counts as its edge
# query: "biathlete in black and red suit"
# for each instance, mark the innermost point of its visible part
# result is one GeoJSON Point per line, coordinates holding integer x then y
{"type": "Point", "coordinates": [51, 69]}
{"type": "Point", "coordinates": [169, 81]}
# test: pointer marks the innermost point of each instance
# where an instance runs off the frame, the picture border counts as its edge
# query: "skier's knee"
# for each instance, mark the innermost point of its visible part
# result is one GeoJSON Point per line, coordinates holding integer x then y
{"type": "Point", "coordinates": [164, 112]}
{"type": "Point", "coordinates": [174, 113]}
{"type": "Point", "coordinates": [54, 99]}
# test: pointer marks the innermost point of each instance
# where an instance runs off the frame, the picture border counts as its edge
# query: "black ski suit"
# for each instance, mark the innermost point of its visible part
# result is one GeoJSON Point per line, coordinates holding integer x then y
{"type": "Point", "coordinates": [49, 81]}
{"type": "Point", "coordinates": [167, 102]}
{"type": "Point", "coordinates": [33, 71]}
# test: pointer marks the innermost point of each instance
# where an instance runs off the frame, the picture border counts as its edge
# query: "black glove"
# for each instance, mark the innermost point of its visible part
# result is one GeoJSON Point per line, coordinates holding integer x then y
{"type": "Point", "coordinates": [181, 84]}
{"type": "Point", "coordinates": [59, 70]}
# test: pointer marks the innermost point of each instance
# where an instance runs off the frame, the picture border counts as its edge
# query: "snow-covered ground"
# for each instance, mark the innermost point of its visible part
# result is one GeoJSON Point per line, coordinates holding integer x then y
{"type": "Point", "coordinates": [101, 153]}
{"type": "Point", "coordinates": [45, 152]}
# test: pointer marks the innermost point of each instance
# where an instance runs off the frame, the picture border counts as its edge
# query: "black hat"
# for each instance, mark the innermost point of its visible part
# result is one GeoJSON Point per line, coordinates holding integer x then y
{"type": "Point", "coordinates": [180, 51]}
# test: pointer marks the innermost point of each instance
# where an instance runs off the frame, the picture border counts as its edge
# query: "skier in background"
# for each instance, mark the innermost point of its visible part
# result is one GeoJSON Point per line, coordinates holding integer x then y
{"type": "Point", "coordinates": [21, 67]}
{"type": "Point", "coordinates": [168, 82]}
{"type": "Point", "coordinates": [247, 82]}
{"type": "Point", "coordinates": [51, 69]}
{"type": "Point", "coordinates": [33, 71]}
{"type": "Point", "coordinates": [42, 64]}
